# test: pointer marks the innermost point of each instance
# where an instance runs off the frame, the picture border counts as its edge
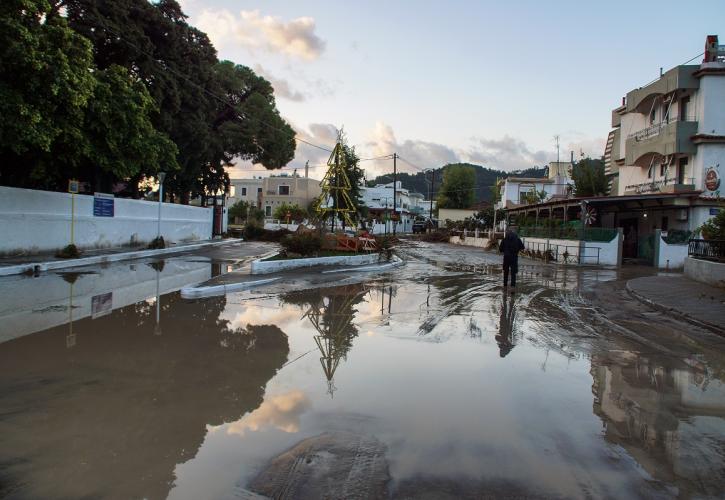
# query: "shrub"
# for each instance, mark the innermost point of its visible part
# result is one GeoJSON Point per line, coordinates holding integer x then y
{"type": "Point", "coordinates": [253, 232]}
{"type": "Point", "coordinates": [157, 243]}
{"type": "Point", "coordinates": [714, 229]}
{"type": "Point", "coordinates": [68, 252]}
{"type": "Point", "coordinates": [305, 244]}
{"type": "Point", "coordinates": [675, 236]}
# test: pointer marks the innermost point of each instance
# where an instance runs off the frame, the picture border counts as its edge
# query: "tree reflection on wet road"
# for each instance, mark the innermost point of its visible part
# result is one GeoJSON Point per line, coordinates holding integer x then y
{"type": "Point", "coordinates": [443, 385]}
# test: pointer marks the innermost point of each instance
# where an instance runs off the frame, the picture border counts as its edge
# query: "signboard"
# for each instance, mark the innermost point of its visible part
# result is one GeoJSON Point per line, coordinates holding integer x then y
{"type": "Point", "coordinates": [102, 205]}
{"type": "Point", "coordinates": [73, 186]}
{"type": "Point", "coordinates": [101, 305]}
{"type": "Point", "coordinates": [712, 179]}
{"type": "Point", "coordinates": [714, 211]}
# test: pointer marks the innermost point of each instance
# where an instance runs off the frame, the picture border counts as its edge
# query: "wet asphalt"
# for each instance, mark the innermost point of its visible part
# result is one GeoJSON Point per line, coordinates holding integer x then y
{"type": "Point", "coordinates": [426, 381]}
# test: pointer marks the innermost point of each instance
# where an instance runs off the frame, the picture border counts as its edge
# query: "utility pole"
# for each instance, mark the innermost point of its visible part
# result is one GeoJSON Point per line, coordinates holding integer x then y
{"type": "Point", "coordinates": [430, 196]}
{"type": "Point", "coordinates": [395, 188]}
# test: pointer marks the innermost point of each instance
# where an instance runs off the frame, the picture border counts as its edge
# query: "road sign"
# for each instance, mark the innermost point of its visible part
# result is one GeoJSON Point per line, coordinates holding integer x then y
{"type": "Point", "coordinates": [103, 205]}
{"type": "Point", "coordinates": [73, 186]}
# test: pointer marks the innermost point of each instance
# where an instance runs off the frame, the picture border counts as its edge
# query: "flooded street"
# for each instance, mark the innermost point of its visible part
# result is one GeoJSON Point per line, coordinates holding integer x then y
{"type": "Point", "coordinates": [428, 381]}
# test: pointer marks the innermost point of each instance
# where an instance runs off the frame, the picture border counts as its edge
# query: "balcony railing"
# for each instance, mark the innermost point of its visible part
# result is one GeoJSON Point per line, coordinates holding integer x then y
{"type": "Point", "coordinates": [707, 249]}
{"type": "Point", "coordinates": [657, 128]}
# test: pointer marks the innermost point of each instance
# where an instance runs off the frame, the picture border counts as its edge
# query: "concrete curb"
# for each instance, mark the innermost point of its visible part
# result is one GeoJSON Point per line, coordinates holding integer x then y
{"type": "Point", "coordinates": [397, 262]}
{"type": "Point", "coordinates": [198, 292]}
{"type": "Point", "coordinates": [265, 267]}
{"type": "Point", "coordinates": [674, 312]}
{"type": "Point", "coordinates": [102, 259]}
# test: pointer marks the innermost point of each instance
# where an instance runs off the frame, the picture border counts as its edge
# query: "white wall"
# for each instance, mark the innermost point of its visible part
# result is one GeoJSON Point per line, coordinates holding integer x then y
{"type": "Point", "coordinates": [608, 251]}
{"type": "Point", "coordinates": [39, 221]}
{"type": "Point", "coordinates": [671, 256]}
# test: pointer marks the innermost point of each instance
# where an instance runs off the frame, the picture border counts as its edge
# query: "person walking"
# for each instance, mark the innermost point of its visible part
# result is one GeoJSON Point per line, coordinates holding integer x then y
{"type": "Point", "coordinates": [510, 246]}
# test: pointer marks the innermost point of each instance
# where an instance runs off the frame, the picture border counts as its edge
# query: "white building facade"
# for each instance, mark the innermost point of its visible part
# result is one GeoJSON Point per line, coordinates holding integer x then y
{"type": "Point", "coordinates": [408, 205]}
{"type": "Point", "coordinates": [270, 192]}
{"type": "Point", "coordinates": [668, 137]}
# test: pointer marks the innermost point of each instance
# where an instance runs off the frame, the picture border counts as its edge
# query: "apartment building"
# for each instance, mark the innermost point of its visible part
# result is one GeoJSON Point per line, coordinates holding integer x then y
{"type": "Point", "coordinates": [408, 204]}
{"type": "Point", "coordinates": [269, 192]}
{"type": "Point", "coordinates": [668, 142]}
{"type": "Point", "coordinates": [517, 191]}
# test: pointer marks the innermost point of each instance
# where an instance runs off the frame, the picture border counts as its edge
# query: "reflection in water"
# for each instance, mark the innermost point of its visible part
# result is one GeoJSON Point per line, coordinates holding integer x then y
{"type": "Point", "coordinates": [331, 311]}
{"type": "Point", "coordinates": [669, 419]}
{"type": "Point", "coordinates": [505, 337]}
{"type": "Point", "coordinates": [114, 415]}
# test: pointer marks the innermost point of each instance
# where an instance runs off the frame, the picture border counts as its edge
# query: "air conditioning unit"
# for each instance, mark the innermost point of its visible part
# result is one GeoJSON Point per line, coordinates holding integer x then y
{"type": "Point", "coordinates": [682, 215]}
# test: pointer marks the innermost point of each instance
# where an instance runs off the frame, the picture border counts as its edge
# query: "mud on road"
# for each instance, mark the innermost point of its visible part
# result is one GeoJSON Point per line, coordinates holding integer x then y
{"type": "Point", "coordinates": [428, 381]}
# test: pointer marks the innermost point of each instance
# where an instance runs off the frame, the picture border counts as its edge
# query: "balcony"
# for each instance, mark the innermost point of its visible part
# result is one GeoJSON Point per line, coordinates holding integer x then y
{"type": "Point", "coordinates": [680, 77]}
{"type": "Point", "coordinates": [665, 138]}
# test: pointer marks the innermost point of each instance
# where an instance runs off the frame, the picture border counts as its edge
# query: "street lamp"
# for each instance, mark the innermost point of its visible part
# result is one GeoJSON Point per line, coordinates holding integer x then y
{"type": "Point", "coordinates": [161, 177]}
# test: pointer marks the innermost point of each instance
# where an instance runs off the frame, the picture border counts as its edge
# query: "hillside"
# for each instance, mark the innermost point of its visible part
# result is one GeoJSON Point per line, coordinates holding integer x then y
{"type": "Point", "coordinates": [485, 178]}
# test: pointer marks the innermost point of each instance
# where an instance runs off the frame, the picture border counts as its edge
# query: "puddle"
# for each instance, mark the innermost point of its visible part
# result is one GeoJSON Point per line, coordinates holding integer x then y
{"type": "Point", "coordinates": [426, 382]}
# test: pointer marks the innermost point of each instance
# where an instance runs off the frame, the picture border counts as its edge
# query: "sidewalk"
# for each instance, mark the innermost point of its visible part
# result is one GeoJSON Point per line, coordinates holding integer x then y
{"type": "Point", "coordinates": [692, 301]}
{"type": "Point", "coordinates": [38, 263]}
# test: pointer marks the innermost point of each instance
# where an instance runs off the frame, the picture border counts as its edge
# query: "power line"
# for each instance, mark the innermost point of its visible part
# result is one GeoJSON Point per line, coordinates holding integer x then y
{"type": "Point", "coordinates": [202, 88]}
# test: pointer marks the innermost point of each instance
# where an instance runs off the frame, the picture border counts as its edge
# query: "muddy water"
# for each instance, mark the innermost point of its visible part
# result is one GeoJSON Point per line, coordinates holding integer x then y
{"type": "Point", "coordinates": [430, 382]}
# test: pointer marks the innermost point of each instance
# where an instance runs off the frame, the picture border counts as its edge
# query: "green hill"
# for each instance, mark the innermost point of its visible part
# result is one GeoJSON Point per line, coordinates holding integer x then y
{"type": "Point", "coordinates": [485, 178]}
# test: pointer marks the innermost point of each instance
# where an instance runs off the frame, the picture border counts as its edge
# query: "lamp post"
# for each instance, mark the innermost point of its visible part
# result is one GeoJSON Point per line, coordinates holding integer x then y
{"type": "Point", "coordinates": [161, 176]}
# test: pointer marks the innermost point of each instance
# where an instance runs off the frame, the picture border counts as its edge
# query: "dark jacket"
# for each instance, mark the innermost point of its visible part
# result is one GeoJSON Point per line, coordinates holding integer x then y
{"type": "Point", "coordinates": [511, 245]}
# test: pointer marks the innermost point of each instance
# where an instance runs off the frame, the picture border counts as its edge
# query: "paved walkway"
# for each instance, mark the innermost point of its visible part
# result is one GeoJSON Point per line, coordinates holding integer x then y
{"type": "Point", "coordinates": [696, 302]}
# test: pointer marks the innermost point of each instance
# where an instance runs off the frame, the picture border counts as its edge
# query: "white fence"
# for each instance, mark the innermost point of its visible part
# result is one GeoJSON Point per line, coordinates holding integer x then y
{"type": "Point", "coordinates": [40, 221]}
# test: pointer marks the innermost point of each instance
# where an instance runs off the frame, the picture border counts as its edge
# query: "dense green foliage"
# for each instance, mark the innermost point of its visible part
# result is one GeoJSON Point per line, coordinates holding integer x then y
{"type": "Point", "coordinates": [457, 189]}
{"type": "Point", "coordinates": [485, 180]}
{"type": "Point", "coordinates": [714, 229]}
{"type": "Point", "coordinates": [589, 179]}
{"type": "Point", "coordinates": [115, 91]}
{"type": "Point", "coordinates": [297, 214]}
{"type": "Point", "coordinates": [238, 211]}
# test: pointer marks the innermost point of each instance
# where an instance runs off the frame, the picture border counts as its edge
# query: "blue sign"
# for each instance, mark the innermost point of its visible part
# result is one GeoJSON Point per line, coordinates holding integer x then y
{"type": "Point", "coordinates": [714, 211]}
{"type": "Point", "coordinates": [102, 205]}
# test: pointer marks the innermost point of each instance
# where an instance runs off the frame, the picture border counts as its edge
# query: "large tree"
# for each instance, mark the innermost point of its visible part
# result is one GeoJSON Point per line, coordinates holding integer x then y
{"type": "Point", "coordinates": [45, 85]}
{"type": "Point", "coordinates": [458, 187]}
{"type": "Point", "coordinates": [589, 179]}
{"type": "Point", "coordinates": [212, 111]}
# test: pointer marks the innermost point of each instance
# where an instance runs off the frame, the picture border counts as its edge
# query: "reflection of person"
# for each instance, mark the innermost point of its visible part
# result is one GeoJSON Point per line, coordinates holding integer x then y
{"type": "Point", "coordinates": [511, 245]}
{"type": "Point", "coordinates": [504, 339]}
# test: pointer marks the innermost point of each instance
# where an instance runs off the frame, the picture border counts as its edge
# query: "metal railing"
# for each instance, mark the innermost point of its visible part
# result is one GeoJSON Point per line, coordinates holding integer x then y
{"type": "Point", "coordinates": [598, 234]}
{"type": "Point", "coordinates": [707, 249]}
{"type": "Point", "coordinates": [568, 254]}
{"type": "Point", "coordinates": [656, 129]}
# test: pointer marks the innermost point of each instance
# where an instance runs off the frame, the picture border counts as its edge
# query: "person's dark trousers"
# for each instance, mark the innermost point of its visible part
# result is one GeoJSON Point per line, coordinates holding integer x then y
{"type": "Point", "coordinates": [510, 264]}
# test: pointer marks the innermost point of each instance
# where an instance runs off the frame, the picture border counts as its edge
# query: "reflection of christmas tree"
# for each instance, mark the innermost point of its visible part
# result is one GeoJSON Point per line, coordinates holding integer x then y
{"type": "Point", "coordinates": [331, 311]}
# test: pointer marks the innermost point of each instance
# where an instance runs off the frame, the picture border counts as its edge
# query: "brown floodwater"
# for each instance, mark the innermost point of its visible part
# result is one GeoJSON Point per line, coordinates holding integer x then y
{"type": "Point", "coordinates": [426, 382]}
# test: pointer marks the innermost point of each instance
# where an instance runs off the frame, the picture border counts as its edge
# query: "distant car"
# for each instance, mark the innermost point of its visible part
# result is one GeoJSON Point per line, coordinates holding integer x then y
{"type": "Point", "coordinates": [420, 226]}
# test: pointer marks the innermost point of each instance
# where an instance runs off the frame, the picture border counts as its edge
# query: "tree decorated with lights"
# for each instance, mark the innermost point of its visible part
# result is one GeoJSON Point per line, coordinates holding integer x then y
{"type": "Point", "coordinates": [335, 201]}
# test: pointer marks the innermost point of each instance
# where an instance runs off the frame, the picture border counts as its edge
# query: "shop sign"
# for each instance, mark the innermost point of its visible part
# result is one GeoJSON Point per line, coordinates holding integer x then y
{"type": "Point", "coordinates": [712, 178]}
{"type": "Point", "coordinates": [646, 187]}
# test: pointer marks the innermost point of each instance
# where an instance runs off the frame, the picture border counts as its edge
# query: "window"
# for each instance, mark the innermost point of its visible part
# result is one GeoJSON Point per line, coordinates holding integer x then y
{"type": "Point", "coordinates": [244, 191]}
{"type": "Point", "coordinates": [652, 115]}
{"type": "Point", "coordinates": [283, 190]}
{"type": "Point", "coordinates": [683, 108]}
{"type": "Point", "coordinates": [268, 211]}
{"type": "Point", "coordinates": [259, 190]}
{"type": "Point", "coordinates": [663, 169]}
{"type": "Point", "coordinates": [681, 168]}
{"type": "Point", "coordinates": [649, 171]}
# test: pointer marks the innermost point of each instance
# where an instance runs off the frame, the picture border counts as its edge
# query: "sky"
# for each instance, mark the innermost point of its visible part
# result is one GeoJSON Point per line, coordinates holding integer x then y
{"type": "Point", "coordinates": [485, 82]}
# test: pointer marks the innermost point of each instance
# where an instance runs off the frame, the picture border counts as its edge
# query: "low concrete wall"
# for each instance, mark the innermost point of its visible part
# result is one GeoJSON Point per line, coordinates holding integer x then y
{"type": "Point", "coordinates": [670, 256]}
{"type": "Point", "coordinates": [608, 253]}
{"type": "Point", "coordinates": [705, 271]}
{"type": "Point", "coordinates": [272, 266]}
{"type": "Point", "coordinates": [470, 241]}
{"type": "Point", "coordinates": [39, 221]}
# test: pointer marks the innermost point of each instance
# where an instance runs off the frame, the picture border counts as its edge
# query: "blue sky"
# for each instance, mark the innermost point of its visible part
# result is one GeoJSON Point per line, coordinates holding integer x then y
{"type": "Point", "coordinates": [486, 82]}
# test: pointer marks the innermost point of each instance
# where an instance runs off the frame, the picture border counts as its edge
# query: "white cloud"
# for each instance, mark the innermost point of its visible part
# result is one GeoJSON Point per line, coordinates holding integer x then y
{"type": "Point", "coordinates": [281, 86]}
{"type": "Point", "coordinates": [281, 412]}
{"type": "Point", "coordinates": [507, 153]}
{"type": "Point", "coordinates": [257, 32]}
